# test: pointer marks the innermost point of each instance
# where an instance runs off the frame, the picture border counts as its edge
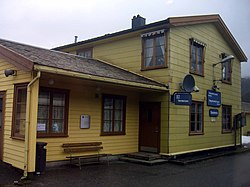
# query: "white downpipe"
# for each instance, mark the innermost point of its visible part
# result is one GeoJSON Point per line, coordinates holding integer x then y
{"type": "Point", "coordinates": [27, 123]}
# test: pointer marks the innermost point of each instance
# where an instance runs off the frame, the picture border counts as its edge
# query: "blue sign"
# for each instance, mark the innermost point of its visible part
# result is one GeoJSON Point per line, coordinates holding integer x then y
{"type": "Point", "coordinates": [182, 98]}
{"type": "Point", "coordinates": [213, 113]}
{"type": "Point", "coordinates": [213, 98]}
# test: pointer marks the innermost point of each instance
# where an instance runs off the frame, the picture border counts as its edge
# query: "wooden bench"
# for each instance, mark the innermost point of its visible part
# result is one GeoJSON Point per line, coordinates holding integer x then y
{"type": "Point", "coordinates": [91, 151]}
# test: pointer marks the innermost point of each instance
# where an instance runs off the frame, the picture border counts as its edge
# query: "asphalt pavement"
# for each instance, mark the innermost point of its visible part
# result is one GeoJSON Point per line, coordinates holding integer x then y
{"type": "Point", "coordinates": [231, 170]}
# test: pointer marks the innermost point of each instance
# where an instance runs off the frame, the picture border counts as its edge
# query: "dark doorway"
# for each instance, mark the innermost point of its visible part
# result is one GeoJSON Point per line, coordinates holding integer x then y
{"type": "Point", "coordinates": [149, 131]}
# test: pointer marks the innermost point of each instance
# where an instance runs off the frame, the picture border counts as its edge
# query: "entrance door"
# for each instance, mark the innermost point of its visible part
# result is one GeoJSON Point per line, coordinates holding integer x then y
{"type": "Point", "coordinates": [2, 102]}
{"type": "Point", "coordinates": [150, 119]}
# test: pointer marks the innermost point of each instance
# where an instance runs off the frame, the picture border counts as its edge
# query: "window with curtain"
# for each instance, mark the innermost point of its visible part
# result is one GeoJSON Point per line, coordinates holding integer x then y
{"type": "Point", "coordinates": [196, 57]}
{"type": "Point", "coordinates": [226, 118]}
{"type": "Point", "coordinates": [154, 52]}
{"type": "Point", "coordinates": [52, 112]}
{"type": "Point", "coordinates": [227, 72]}
{"type": "Point", "coordinates": [113, 115]}
{"type": "Point", "coordinates": [87, 53]}
{"type": "Point", "coordinates": [196, 118]}
{"type": "Point", "coordinates": [19, 111]}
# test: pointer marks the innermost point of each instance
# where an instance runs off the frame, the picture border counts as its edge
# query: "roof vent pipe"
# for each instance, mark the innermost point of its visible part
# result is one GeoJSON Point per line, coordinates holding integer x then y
{"type": "Point", "coordinates": [76, 39]}
{"type": "Point", "coordinates": [138, 21]}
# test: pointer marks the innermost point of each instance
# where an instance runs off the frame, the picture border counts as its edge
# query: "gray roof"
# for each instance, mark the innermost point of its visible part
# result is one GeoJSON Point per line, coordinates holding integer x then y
{"type": "Point", "coordinates": [75, 63]}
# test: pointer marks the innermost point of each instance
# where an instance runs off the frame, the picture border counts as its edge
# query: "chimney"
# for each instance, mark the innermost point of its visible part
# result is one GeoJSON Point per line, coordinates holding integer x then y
{"type": "Point", "coordinates": [76, 39]}
{"type": "Point", "coordinates": [138, 21]}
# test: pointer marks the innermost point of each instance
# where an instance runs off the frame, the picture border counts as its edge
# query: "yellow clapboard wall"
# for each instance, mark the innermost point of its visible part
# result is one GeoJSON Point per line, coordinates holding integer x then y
{"type": "Point", "coordinates": [13, 149]}
{"type": "Point", "coordinates": [180, 140]}
{"type": "Point", "coordinates": [125, 52]}
{"type": "Point", "coordinates": [83, 100]}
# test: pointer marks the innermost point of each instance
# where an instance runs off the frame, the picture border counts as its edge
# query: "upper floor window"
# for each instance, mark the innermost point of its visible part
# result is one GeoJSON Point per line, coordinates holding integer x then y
{"type": "Point", "coordinates": [197, 57]}
{"type": "Point", "coordinates": [226, 118]}
{"type": "Point", "coordinates": [87, 53]}
{"type": "Point", "coordinates": [154, 51]}
{"type": "Point", "coordinates": [227, 72]}
{"type": "Point", "coordinates": [52, 118]}
{"type": "Point", "coordinates": [196, 118]}
{"type": "Point", "coordinates": [19, 111]}
{"type": "Point", "coordinates": [113, 115]}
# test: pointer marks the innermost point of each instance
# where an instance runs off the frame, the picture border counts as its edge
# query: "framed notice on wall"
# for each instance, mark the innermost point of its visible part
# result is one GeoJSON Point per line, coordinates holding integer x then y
{"type": "Point", "coordinates": [85, 121]}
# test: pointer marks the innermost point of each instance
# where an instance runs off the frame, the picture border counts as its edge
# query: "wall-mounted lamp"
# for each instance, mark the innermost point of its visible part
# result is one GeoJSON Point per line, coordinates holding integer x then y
{"type": "Point", "coordinates": [9, 72]}
{"type": "Point", "coordinates": [225, 59]}
{"type": "Point", "coordinates": [51, 82]}
{"type": "Point", "coordinates": [98, 93]}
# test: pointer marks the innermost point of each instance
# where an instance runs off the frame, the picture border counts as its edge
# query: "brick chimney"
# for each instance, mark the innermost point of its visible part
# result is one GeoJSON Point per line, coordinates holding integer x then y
{"type": "Point", "coordinates": [138, 21]}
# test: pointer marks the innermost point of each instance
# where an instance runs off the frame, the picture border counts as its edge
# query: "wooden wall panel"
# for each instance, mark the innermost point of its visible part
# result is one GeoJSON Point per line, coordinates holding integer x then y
{"type": "Point", "coordinates": [13, 150]}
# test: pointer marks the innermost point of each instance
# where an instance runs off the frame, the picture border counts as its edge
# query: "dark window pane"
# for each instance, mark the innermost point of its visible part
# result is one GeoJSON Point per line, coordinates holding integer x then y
{"type": "Point", "coordinates": [108, 103]}
{"type": "Point", "coordinates": [196, 62]}
{"type": "Point", "coordinates": [149, 43]}
{"type": "Point", "coordinates": [154, 51]}
{"type": "Point", "coordinates": [118, 126]}
{"type": "Point", "coordinates": [107, 126]}
{"type": "Point", "coordinates": [44, 98]}
{"type": "Point", "coordinates": [57, 126]}
{"type": "Point", "coordinates": [51, 119]}
{"type": "Point", "coordinates": [196, 118]}
{"type": "Point", "coordinates": [113, 114]}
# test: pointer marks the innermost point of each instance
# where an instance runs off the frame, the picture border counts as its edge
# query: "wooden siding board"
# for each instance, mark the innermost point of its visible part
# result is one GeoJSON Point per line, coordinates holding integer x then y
{"type": "Point", "coordinates": [13, 149]}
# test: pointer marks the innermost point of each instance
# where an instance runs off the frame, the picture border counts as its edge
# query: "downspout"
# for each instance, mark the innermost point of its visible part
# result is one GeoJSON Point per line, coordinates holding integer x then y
{"type": "Point", "coordinates": [27, 124]}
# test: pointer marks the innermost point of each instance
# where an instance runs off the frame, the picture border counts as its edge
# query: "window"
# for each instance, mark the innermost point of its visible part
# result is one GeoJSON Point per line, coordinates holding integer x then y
{"type": "Point", "coordinates": [227, 72]}
{"type": "Point", "coordinates": [113, 115]}
{"type": "Point", "coordinates": [196, 118]}
{"type": "Point", "coordinates": [52, 112]}
{"type": "Point", "coordinates": [87, 53]}
{"type": "Point", "coordinates": [154, 52]}
{"type": "Point", "coordinates": [226, 118]}
{"type": "Point", "coordinates": [196, 57]}
{"type": "Point", "coordinates": [19, 111]}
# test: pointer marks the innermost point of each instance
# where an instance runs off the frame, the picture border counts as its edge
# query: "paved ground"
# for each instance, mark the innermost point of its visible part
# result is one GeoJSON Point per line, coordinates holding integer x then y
{"type": "Point", "coordinates": [232, 170]}
{"type": "Point", "coordinates": [227, 171]}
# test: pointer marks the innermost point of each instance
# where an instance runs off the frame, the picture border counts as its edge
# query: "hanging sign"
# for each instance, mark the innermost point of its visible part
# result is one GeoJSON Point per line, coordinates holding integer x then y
{"type": "Point", "coordinates": [182, 98]}
{"type": "Point", "coordinates": [213, 98]}
{"type": "Point", "coordinates": [213, 113]}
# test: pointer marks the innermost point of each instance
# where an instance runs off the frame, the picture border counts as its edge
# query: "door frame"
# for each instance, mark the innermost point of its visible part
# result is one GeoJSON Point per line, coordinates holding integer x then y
{"type": "Point", "coordinates": [159, 126]}
{"type": "Point", "coordinates": [3, 96]}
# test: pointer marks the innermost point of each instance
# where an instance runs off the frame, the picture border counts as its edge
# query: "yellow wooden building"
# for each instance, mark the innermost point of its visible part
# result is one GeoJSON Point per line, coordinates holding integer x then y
{"type": "Point", "coordinates": [133, 86]}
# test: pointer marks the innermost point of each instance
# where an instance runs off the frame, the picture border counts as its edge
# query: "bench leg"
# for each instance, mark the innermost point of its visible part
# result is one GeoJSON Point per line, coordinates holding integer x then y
{"type": "Point", "coordinates": [79, 162]}
{"type": "Point", "coordinates": [108, 159]}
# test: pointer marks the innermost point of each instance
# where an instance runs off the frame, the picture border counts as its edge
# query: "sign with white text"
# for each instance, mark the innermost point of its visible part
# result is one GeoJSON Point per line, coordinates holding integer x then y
{"type": "Point", "coordinates": [182, 98]}
{"type": "Point", "coordinates": [213, 113]}
{"type": "Point", "coordinates": [213, 98]}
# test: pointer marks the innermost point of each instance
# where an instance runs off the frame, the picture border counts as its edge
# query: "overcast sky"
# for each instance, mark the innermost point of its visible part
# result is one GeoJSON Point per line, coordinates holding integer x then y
{"type": "Point", "coordinates": [52, 23]}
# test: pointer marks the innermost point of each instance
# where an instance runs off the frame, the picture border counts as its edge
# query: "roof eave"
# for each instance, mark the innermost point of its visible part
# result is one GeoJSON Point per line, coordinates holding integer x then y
{"type": "Point", "coordinates": [214, 18]}
{"type": "Point", "coordinates": [16, 59]}
{"type": "Point", "coordinates": [116, 34]}
{"type": "Point", "coordinates": [47, 69]}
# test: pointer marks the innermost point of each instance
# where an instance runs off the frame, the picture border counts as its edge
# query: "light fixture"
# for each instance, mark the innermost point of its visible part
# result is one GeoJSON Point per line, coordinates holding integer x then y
{"type": "Point", "coordinates": [51, 82]}
{"type": "Point", "coordinates": [225, 59]}
{"type": "Point", "coordinates": [9, 72]}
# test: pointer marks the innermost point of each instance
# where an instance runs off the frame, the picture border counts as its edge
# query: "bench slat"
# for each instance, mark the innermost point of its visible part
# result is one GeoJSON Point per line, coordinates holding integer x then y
{"type": "Point", "coordinates": [82, 149]}
{"type": "Point", "coordinates": [82, 144]}
{"type": "Point", "coordinates": [88, 156]}
{"type": "Point", "coordinates": [72, 148]}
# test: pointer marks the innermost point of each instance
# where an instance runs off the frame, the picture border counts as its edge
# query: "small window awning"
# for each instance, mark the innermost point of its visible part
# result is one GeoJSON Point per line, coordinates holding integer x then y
{"type": "Point", "coordinates": [148, 34]}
